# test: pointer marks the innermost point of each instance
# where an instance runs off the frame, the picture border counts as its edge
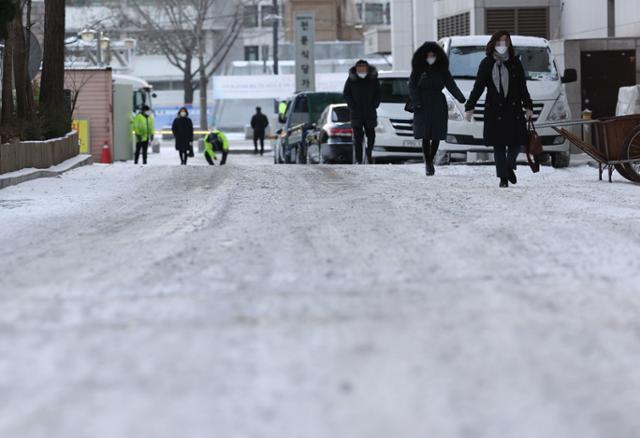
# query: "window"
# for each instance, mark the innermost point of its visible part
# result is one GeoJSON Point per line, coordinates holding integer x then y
{"type": "Point", "coordinates": [454, 25]}
{"type": "Point", "coordinates": [250, 16]}
{"type": "Point", "coordinates": [519, 21]}
{"type": "Point", "coordinates": [537, 62]}
{"type": "Point", "coordinates": [374, 13]}
{"type": "Point", "coordinates": [265, 11]}
{"type": "Point", "coordinates": [340, 114]}
{"type": "Point", "coordinates": [251, 53]}
{"type": "Point", "coordinates": [394, 90]}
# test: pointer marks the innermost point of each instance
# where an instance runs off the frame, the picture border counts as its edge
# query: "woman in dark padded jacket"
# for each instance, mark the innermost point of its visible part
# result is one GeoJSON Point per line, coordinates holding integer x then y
{"type": "Point", "coordinates": [429, 76]}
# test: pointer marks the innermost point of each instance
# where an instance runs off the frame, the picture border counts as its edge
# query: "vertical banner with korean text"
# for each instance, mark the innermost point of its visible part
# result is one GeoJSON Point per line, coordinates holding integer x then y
{"type": "Point", "coordinates": [305, 38]}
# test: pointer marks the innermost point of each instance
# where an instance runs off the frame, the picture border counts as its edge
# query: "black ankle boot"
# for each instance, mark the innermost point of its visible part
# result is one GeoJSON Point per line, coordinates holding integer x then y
{"type": "Point", "coordinates": [513, 179]}
{"type": "Point", "coordinates": [504, 182]}
{"type": "Point", "coordinates": [430, 169]}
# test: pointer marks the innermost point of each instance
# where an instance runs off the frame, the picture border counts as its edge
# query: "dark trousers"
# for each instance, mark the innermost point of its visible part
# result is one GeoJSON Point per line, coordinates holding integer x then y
{"type": "Point", "coordinates": [141, 146]}
{"type": "Point", "coordinates": [505, 157]}
{"type": "Point", "coordinates": [360, 129]}
{"type": "Point", "coordinates": [430, 149]}
{"type": "Point", "coordinates": [258, 137]}
{"type": "Point", "coordinates": [184, 156]}
{"type": "Point", "coordinates": [222, 162]}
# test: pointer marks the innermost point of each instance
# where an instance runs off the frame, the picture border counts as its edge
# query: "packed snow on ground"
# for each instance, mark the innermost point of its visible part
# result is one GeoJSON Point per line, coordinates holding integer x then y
{"type": "Point", "coordinates": [319, 301]}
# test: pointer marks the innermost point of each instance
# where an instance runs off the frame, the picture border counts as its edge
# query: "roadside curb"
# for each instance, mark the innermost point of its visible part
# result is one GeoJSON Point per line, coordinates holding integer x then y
{"type": "Point", "coordinates": [24, 175]}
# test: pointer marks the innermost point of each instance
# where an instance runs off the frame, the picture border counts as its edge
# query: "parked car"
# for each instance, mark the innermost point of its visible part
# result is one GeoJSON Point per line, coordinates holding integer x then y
{"type": "Point", "coordinates": [543, 80]}
{"type": "Point", "coordinates": [332, 140]}
{"type": "Point", "coordinates": [303, 111]}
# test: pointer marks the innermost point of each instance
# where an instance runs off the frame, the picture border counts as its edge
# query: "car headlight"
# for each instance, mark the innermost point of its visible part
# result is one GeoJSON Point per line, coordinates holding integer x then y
{"type": "Point", "coordinates": [454, 112]}
{"type": "Point", "coordinates": [560, 109]}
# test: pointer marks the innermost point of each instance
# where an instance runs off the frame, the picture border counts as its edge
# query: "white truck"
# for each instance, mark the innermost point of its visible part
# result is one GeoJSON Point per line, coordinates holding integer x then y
{"type": "Point", "coordinates": [395, 130]}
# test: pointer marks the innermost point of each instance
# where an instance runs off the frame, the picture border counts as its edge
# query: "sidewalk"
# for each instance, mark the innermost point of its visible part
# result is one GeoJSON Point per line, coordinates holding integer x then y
{"type": "Point", "coordinates": [23, 175]}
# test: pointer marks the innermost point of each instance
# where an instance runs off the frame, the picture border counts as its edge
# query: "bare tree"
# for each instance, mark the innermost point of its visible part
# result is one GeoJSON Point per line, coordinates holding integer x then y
{"type": "Point", "coordinates": [194, 36]}
{"type": "Point", "coordinates": [55, 118]}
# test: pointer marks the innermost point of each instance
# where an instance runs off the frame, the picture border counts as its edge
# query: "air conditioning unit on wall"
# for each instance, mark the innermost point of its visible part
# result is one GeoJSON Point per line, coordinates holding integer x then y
{"type": "Point", "coordinates": [377, 41]}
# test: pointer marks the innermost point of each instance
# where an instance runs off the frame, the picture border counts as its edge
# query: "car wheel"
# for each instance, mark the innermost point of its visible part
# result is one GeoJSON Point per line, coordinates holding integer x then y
{"type": "Point", "coordinates": [560, 160]}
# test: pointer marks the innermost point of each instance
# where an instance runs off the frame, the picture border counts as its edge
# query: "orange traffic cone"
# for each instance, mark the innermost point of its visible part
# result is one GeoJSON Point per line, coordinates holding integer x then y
{"type": "Point", "coordinates": [106, 154]}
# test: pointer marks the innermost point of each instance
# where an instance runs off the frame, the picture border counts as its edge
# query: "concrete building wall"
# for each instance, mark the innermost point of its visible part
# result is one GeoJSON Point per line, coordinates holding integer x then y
{"type": "Point", "coordinates": [402, 39]}
{"type": "Point", "coordinates": [578, 21]}
{"type": "Point", "coordinates": [423, 22]}
{"type": "Point", "coordinates": [627, 18]}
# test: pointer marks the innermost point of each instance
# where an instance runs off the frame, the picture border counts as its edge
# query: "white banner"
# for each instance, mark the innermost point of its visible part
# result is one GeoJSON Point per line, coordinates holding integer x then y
{"type": "Point", "coordinates": [270, 86]}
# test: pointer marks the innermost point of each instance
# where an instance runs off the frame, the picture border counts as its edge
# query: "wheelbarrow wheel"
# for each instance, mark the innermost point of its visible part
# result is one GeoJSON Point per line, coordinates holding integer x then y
{"type": "Point", "coordinates": [632, 146]}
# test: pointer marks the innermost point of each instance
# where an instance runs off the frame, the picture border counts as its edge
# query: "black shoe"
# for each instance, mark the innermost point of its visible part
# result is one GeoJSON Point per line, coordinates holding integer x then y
{"type": "Point", "coordinates": [430, 169]}
{"type": "Point", "coordinates": [513, 179]}
{"type": "Point", "coordinates": [504, 182]}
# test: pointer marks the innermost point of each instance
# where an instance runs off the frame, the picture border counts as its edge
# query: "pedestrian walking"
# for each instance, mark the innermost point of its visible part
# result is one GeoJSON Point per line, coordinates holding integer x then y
{"type": "Point", "coordinates": [501, 73]}
{"type": "Point", "coordinates": [182, 129]}
{"type": "Point", "coordinates": [216, 141]}
{"type": "Point", "coordinates": [144, 130]}
{"type": "Point", "coordinates": [259, 123]}
{"type": "Point", "coordinates": [429, 76]}
{"type": "Point", "coordinates": [362, 93]}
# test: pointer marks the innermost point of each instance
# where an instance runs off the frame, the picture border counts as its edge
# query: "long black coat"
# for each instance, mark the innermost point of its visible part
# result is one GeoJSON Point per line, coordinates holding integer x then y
{"type": "Point", "coordinates": [431, 116]}
{"type": "Point", "coordinates": [259, 123]}
{"type": "Point", "coordinates": [504, 119]}
{"type": "Point", "coordinates": [182, 129]}
{"type": "Point", "coordinates": [363, 95]}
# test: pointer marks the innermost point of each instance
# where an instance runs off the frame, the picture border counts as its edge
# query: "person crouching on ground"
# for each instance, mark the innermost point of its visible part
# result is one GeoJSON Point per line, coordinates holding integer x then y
{"type": "Point", "coordinates": [144, 130]}
{"type": "Point", "coordinates": [429, 76]}
{"type": "Point", "coordinates": [362, 93]}
{"type": "Point", "coordinates": [182, 129]}
{"type": "Point", "coordinates": [216, 141]}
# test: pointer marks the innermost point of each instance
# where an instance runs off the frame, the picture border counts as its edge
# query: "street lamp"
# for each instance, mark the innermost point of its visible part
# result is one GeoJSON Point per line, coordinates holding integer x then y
{"type": "Point", "coordinates": [89, 35]}
{"type": "Point", "coordinates": [129, 43]}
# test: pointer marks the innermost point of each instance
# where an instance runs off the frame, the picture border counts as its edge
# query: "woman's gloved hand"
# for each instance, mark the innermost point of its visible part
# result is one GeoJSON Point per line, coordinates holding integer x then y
{"type": "Point", "coordinates": [468, 115]}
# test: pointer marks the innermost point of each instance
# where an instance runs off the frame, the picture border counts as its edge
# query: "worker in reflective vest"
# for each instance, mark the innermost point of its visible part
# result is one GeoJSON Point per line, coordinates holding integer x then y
{"type": "Point", "coordinates": [214, 142]}
{"type": "Point", "coordinates": [144, 129]}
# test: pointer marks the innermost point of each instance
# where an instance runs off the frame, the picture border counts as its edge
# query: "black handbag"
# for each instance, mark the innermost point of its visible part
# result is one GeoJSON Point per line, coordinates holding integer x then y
{"type": "Point", "coordinates": [408, 107]}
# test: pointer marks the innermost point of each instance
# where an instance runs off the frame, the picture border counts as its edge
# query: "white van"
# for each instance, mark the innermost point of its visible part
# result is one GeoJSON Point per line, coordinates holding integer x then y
{"type": "Point", "coordinates": [395, 131]}
{"type": "Point", "coordinates": [394, 134]}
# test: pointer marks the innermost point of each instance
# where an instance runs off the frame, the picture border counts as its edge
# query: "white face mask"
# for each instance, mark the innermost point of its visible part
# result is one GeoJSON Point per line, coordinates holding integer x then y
{"type": "Point", "coordinates": [147, 113]}
{"type": "Point", "coordinates": [431, 60]}
{"type": "Point", "coordinates": [362, 75]}
{"type": "Point", "coordinates": [502, 48]}
{"type": "Point", "coordinates": [183, 114]}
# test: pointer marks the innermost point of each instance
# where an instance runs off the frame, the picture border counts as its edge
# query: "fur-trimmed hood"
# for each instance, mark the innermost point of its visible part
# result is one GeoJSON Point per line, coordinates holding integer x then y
{"type": "Point", "coordinates": [419, 61]}
{"type": "Point", "coordinates": [373, 72]}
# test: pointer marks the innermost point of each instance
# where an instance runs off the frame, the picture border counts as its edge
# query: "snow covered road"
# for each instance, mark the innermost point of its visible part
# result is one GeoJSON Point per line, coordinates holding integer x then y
{"type": "Point", "coordinates": [319, 301]}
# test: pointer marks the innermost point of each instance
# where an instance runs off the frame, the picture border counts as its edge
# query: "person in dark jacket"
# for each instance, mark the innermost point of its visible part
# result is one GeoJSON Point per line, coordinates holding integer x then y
{"type": "Point", "coordinates": [259, 123]}
{"type": "Point", "coordinates": [429, 76]}
{"type": "Point", "coordinates": [182, 129]}
{"type": "Point", "coordinates": [362, 93]}
{"type": "Point", "coordinates": [501, 73]}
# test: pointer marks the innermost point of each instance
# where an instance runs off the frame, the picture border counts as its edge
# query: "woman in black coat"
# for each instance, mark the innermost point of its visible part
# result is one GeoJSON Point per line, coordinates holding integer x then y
{"type": "Point", "coordinates": [502, 75]}
{"type": "Point", "coordinates": [429, 76]}
{"type": "Point", "coordinates": [182, 129]}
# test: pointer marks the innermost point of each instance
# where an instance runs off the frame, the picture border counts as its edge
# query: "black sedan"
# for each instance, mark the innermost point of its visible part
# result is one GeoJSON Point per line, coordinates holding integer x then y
{"type": "Point", "coordinates": [332, 140]}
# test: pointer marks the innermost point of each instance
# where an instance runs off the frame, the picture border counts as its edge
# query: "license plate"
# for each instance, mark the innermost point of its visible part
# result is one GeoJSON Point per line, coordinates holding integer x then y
{"type": "Point", "coordinates": [412, 143]}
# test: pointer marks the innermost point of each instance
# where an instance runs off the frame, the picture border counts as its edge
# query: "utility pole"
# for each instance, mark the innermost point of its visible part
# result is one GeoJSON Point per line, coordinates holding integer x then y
{"type": "Point", "coordinates": [276, 21]}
